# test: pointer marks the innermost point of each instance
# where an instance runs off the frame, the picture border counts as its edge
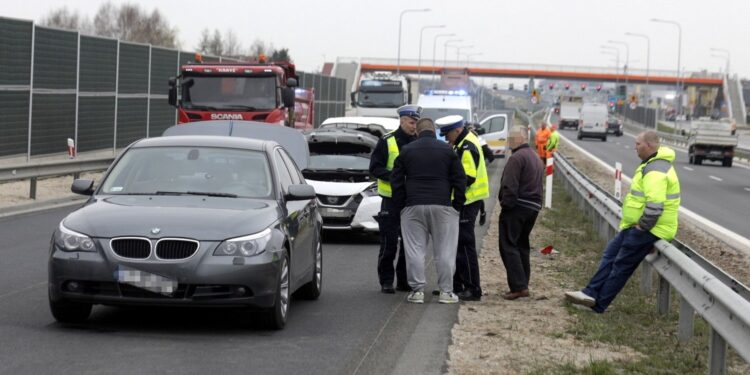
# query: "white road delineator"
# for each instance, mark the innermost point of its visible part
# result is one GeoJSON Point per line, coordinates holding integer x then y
{"type": "Point", "coordinates": [548, 191]}
{"type": "Point", "coordinates": [618, 181]}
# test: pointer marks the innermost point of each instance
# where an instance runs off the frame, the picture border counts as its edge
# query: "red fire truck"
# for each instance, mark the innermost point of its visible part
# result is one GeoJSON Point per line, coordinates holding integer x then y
{"type": "Point", "coordinates": [255, 91]}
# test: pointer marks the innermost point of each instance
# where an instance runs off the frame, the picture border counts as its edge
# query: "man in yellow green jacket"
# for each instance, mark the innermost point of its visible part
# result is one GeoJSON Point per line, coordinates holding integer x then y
{"type": "Point", "coordinates": [649, 213]}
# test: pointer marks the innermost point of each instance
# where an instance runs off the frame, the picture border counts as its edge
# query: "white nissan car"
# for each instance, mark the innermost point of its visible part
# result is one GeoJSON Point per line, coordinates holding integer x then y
{"type": "Point", "coordinates": [339, 171]}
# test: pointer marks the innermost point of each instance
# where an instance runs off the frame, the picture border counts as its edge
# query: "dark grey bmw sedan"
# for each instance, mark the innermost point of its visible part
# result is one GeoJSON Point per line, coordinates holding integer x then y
{"type": "Point", "coordinates": [200, 220]}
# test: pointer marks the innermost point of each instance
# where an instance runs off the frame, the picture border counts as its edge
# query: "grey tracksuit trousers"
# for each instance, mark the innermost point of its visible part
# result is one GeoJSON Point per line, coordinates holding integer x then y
{"type": "Point", "coordinates": [418, 224]}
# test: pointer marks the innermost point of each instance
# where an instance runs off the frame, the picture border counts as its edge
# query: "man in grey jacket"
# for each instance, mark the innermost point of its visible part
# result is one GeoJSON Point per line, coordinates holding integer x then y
{"type": "Point", "coordinates": [429, 186]}
{"type": "Point", "coordinates": [521, 200]}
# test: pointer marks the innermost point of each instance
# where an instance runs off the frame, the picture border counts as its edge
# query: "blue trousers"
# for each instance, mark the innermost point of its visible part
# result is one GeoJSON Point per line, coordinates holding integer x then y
{"type": "Point", "coordinates": [621, 257]}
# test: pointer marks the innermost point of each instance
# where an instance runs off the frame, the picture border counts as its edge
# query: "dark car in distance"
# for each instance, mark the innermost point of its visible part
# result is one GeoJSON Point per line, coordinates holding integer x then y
{"type": "Point", "coordinates": [614, 126]}
{"type": "Point", "coordinates": [215, 219]}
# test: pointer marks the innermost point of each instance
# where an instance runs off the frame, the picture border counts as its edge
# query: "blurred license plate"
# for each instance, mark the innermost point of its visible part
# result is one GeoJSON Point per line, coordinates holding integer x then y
{"type": "Point", "coordinates": [333, 212]}
{"type": "Point", "coordinates": [145, 280]}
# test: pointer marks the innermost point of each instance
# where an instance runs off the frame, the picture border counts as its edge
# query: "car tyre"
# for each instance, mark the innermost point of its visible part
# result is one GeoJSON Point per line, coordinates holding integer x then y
{"type": "Point", "coordinates": [312, 290]}
{"type": "Point", "coordinates": [604, 139]}
{"type": "Point", "coordinates": [69, 312]}
{"type": "Point", "coordinates": [619, 134]}
{"type": "Point", "coordinates": [698, 160]}
{"type": "Point", "coordinates": [727, 162]}
{"type": "Point", "coordinates": [579, 137]}
{"type": "Point", "coordinates": [691, 159]}
{"type": "Point", "coordinates": [276, 316]}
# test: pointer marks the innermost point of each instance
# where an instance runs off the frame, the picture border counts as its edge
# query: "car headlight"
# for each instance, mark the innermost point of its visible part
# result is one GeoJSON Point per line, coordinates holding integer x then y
{"type": "Point", "coordinates": [69, 240]}
{"type": "Point", "coordinates": [248, 246]}
{"type": "Point", "coordinates": [371, 191]}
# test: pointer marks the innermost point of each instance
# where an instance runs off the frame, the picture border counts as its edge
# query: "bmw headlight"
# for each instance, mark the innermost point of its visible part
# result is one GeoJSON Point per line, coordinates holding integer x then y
{"type": "Point", "coordinates": [371, 191]}
{"type": "Point", "coordinates": [253, 244]}
{"type": "Point", "coordinates": [69, 240]}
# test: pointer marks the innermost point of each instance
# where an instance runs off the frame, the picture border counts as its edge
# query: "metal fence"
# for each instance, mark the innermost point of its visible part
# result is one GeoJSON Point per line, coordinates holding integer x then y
{"type": "Point", "coordinates": [101, 92]}
{"type": "Point", "coordinates": [642, 115]}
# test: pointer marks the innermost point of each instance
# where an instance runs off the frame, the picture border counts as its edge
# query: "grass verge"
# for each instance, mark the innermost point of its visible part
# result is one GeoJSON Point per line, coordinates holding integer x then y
{"type": "Point", "coordinates": [632, 319]}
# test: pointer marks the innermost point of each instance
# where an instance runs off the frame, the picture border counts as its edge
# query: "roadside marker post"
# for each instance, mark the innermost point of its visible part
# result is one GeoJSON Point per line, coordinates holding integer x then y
{"type": "Point", "coordinates": [618, 181]}
{"type": "Point", "coordinates": [548, 190]}
{"type": "Point", "coordinates": [71, 148]}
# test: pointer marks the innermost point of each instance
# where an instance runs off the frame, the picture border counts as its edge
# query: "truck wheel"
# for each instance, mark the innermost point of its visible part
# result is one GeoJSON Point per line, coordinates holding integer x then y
{"type": "Point", "coordinates": [604, 139]}
{"type": "Point", "coordinates": [579, 136]}
{"type": "Point", "coordinates": [698, 160]}
{"type": "Point", "coordinates": [727, 162]}
{"type": "Point", "coordinates": [691, 159]}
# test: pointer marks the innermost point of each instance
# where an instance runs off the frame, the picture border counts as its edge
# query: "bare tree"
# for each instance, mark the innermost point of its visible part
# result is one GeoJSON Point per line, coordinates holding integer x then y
{"type": "Point", "coordinates": [258, 48]}
{"type": "Point", "coordinates": [216, 46]}
{"type": "Point", "coordinates": [62, 18]}
{"type": "Point", "coordinates": [131, 23]}
{"type": "Point", "coordinates": [231, 45]}
{"type": "Point", "coordinates": [205, 42]}
{"type": "Point", "coordinates": [281, 55]}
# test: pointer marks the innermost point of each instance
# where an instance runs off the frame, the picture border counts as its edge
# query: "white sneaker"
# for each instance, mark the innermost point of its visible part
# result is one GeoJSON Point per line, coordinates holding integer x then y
{"type": "Point", "coordinates": [416, 297]}
{"type": "Point", "coordinates": [448, 297]}
{"type": "Point", "coordinates": [580, 298]}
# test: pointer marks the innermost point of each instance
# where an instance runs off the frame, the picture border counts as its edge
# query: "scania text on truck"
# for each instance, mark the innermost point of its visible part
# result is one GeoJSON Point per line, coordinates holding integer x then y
{"type": "Point", "coordinates": [256, 91]}
{"type": "Point", "coordinates": [380, 93]}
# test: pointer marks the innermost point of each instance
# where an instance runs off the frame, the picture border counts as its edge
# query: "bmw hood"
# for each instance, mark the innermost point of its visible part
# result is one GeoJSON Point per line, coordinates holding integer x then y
{"type": "Point", "coordinates": [196, 217]}
{"type": "Point", "coordinates": [339, 188]}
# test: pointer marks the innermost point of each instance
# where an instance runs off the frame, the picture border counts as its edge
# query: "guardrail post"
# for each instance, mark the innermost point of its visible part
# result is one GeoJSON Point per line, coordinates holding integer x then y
{"type": "Point", "coordinates": [662, 296]}
{"type": "Point", "coordinates": [32, 188]}
{"type": "Point", "coordinates": [646, 277]}
{"type": "Point", "coordinates": [685, 325]}
{"type": "Point", "coordinates": [76, 175]}
{"type": "Point", "coordinates": [717, 354]}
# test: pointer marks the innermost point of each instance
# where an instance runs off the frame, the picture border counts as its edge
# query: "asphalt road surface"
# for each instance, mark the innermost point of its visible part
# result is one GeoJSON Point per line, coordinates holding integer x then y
{"type": "Point", "coordinates": [719, 194]}
{"type": "Point", "coordinates": [351, 329]}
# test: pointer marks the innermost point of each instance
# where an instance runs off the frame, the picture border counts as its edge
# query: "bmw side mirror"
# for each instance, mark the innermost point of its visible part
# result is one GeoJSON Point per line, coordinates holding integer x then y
{"type": "Point", "coordinates": [300, 192]}
{"type": "Point", "coordinates": [83, 187]}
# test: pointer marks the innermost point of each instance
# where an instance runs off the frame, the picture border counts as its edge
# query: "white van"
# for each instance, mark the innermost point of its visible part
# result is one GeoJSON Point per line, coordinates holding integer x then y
{"type": "Point", "coordinates": [593, 122]}
{"type": "Point", "coordinates": [440, 103]}
{"type": "Point", "coordinates": [496, 132]}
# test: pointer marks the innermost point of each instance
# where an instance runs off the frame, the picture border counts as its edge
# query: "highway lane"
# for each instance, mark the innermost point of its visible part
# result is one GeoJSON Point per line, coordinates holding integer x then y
{"type": "Point", "coordinates": [352, 328]}
{"type": "Point", "coordinates": [719, 194]}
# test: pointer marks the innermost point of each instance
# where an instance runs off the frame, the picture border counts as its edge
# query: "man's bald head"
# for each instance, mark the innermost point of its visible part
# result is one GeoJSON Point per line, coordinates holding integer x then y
{"type": "Point", "coordinates": [518, 135]}
{"type": "Point", "coordinates": [425, 124]}
{"type": "Point", "coordinates": [646, 144]}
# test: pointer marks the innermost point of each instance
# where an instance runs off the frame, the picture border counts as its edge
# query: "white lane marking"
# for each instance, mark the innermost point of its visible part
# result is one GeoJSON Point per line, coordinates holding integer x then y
{"type": "Point", "coordinates": [715, 178]}
{"type": "Point", "coordinates": [730, 237]}
{"type": "Point", "coordinates": [617, 143]}
{"type": "Point", "coordinates": [747, 189]}
{"type": "Point", "coordinates": [627, 147]}
{"type": "Point", "coordinates": [688, 169]}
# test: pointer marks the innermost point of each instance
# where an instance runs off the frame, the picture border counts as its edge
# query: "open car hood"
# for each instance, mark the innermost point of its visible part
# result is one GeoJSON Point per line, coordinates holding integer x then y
{"type": "Point", "coordinates": [290, 139]}
{"type": "Point", "coordinates": [340, 141]}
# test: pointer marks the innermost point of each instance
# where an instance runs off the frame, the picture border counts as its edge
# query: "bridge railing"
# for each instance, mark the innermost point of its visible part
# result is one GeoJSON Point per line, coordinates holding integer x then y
{"type": "Point", "coordinates": [704, 289]}
{"type": "Point", "coordinates": [451, 63]}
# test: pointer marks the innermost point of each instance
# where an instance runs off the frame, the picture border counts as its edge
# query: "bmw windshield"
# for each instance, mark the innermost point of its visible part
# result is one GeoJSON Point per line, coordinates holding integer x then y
{"type": "Point", "coordinates": [206, 171]}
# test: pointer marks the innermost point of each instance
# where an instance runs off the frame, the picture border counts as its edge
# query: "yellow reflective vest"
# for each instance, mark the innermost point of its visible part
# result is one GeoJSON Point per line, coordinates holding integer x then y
{"type": "Point", "coordinates": [654, 197]}
{"type": "Point", "coordinates": [480, 189]}
{"type": "Point", "coordinates": [384, 187]}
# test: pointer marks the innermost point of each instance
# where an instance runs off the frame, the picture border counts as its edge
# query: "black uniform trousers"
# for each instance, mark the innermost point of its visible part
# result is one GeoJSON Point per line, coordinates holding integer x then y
{"type": "Point", "coordinates": [515, 227]}
{"type": "Point", "coordinates": [467, 264]}
{"type": "Point", "coordinates": [391, 245]}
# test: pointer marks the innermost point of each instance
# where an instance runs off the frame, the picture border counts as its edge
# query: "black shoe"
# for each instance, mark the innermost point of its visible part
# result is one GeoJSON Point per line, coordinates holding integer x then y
{"type": "Point", "coordinates": [387, 289]}
{"type": "Point", "coordinates": [467, 295]}
{"type": "Point", "coordinates": [482, 218]}
{"type": "Point", "coordinates": [403, 288]}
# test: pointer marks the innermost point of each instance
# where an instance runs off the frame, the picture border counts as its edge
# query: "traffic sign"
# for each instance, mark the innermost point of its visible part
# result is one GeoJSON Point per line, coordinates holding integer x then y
{"type": "Point", "coordinates": [533, 100]}
{"type": "Point", "coordinates": [633, 105]}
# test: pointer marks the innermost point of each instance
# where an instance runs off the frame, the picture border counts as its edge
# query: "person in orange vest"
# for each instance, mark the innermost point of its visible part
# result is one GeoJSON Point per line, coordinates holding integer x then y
{"type": "Point", "coordinates": [542, 136]}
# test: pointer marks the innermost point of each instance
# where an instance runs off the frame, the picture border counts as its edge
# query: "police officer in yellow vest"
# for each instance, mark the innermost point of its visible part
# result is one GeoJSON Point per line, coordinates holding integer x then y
{"type": "Point", "coordinates": [467, 146]}
{"type": "Point", "coordinates": [381, 164]}
{"type": "Point", "coordinates": [649, 213]}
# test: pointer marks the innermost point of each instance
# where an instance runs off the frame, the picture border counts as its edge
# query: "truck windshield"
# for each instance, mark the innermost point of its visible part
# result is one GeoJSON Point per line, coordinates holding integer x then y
{"type": "Point", "coordinates": [380, 99]}
{"type": "Point", "coordinates": [230, 93]}
{"type": "Point", "coordinates": [436, 113]}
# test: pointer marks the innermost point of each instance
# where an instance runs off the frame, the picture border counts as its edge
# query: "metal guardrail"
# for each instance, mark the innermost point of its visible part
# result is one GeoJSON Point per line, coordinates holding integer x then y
{"type": "Point", "coordinates": [705, 289]}
{"type": "Point", "coordinates": [35, 171]}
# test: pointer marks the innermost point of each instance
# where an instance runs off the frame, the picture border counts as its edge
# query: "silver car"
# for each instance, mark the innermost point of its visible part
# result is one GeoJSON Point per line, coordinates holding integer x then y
{"type": "Point", "coordinates": [208, 220]}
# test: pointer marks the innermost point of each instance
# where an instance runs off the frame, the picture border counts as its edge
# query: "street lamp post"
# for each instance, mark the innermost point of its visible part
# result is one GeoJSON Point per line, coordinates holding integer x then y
{"type": "Point", "coordinates": [627, 57]}
{"type": "Point", "coordinates": [616, 51]}
{"type": "Point", "coordinates": [679, 55]}
{"type": "Point", "coordinates": [421, 34]}
{"type": "Point", "coordinates": [458, 51]}
{"type": "Point", "coordinates": [727, 57]}
{"type": "Point", "coordinates": [445, 50]}
{"type": "Point", "coordinates": [400, 21]}
{"type": "Point", "coordinates": [648, 55]}
{"type": "Point", "coordinates": [434, 48]}
{"type": "Point", "coordinates": [469, 55]}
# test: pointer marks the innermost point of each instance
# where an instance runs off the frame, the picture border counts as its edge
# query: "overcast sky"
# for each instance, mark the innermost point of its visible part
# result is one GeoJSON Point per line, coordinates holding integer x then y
{"type": "Point", "coordinates": [566, 32]}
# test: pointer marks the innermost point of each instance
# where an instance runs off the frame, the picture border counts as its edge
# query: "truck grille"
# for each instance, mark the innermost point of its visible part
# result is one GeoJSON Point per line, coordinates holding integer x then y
{"type": "Point", "coordinates": [176, 249]}
{"type": "Point", "coordinates": [134, 248]}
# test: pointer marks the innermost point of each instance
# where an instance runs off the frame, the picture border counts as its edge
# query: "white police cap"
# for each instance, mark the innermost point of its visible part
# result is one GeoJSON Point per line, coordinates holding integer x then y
{"type": "Point", "coordinates": [410, 110]}
{"type": "Point", "coordinates": [448, 123]}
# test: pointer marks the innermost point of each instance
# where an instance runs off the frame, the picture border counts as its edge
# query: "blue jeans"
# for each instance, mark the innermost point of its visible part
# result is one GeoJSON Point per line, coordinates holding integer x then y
{"type": "Point", "coordinates": [621, 257]}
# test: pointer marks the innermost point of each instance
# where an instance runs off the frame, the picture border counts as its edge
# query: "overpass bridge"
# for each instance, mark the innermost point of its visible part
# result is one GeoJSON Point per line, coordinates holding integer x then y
{"type": "Point", "coordinates": [561, 72]}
